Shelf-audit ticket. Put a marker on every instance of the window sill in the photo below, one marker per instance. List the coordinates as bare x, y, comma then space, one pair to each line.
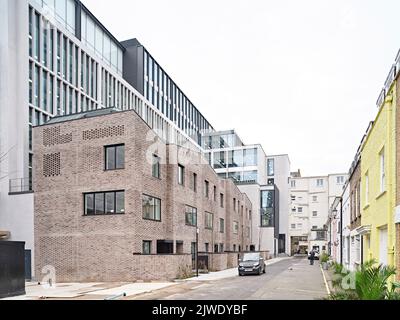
116, 169
149, 219
158, 178
103, 214
380, 195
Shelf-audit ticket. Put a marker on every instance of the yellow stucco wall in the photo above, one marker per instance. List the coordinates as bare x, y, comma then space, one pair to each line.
378, 209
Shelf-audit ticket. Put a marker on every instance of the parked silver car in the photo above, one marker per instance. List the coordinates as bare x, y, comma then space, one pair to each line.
251, 263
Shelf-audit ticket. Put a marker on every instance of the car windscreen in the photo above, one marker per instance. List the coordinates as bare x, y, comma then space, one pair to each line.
251, 256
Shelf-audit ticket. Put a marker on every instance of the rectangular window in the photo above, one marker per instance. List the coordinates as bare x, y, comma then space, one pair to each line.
382, 171
219, 160
208, 220
339, 179
156, 166
151, 208
190, 216
146, 247
37, 36
235, 227
314, 213
115, 157
300, 210
206, 188
221, 247
320, 182
36, 83
267, 210
221, 200
250, 157
314, 198
215, 193
194, 182
206, 247
100, 203
221, 225
181, 174
270, 167
293, 226
293, 183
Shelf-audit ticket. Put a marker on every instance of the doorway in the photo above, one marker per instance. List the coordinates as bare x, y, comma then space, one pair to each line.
383, 250
282, 243
28, 264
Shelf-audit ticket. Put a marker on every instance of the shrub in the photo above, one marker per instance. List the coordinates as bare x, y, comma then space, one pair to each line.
369, 282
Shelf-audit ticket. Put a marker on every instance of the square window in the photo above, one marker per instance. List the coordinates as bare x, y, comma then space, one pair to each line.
115, 157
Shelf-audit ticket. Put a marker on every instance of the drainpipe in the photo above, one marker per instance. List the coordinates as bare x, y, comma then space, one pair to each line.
341, 230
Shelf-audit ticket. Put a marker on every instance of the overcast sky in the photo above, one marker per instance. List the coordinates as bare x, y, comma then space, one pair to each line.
298, 77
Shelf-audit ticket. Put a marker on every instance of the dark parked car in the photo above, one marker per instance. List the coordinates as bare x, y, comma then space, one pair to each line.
251, 263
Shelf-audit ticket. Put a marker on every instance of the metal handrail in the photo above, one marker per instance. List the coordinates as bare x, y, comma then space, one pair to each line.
20, 185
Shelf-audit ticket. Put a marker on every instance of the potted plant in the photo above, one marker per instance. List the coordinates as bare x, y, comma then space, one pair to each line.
324, 258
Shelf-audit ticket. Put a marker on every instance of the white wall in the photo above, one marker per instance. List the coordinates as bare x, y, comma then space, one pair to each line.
262, 238
281, 179
16, 212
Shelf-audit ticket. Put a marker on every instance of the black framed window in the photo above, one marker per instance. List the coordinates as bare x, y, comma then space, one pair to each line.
103, 203
190, 216
146, 247
208, 220
115, 157
151, 208
194, 182
235, 227
221, 200
206, 188
181, 174
156, 166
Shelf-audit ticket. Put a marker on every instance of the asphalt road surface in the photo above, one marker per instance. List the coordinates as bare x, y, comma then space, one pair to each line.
289, 279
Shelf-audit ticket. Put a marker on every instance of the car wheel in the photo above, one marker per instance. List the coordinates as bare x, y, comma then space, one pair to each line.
264, 270
259, 271
240, 274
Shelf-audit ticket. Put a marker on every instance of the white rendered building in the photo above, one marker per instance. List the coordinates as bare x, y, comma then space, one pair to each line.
311, 198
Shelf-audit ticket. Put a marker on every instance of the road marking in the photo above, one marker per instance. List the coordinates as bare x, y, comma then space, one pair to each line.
326, 283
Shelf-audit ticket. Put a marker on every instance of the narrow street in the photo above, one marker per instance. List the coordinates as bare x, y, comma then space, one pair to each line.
289, 279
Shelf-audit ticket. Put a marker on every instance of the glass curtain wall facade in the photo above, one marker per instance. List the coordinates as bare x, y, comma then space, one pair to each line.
75, 66
162, 92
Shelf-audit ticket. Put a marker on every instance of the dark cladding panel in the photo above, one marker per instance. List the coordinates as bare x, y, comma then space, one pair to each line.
133, 68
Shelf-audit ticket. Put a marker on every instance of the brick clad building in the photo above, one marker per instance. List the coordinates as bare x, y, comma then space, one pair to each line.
114, 202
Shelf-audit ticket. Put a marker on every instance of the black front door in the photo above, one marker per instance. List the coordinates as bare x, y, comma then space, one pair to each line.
282, 243
28, 264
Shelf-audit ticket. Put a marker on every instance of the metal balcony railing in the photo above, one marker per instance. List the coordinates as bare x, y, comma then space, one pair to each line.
20, 185
389, 79
381, 98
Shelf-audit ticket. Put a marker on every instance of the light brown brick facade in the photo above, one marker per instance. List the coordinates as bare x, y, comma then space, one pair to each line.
69, 160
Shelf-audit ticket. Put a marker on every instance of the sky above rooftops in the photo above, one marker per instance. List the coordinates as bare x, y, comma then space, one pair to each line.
298, 77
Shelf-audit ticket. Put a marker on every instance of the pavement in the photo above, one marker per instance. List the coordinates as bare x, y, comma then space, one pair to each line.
89, 291
286, 278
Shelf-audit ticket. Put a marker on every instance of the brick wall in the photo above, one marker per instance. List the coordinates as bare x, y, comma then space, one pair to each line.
105, 247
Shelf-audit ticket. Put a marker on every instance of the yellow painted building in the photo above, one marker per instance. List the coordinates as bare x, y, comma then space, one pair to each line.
378, 184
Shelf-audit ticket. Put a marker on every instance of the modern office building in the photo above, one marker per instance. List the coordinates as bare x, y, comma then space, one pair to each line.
57, 59
263, 178
113, 205
311, 199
